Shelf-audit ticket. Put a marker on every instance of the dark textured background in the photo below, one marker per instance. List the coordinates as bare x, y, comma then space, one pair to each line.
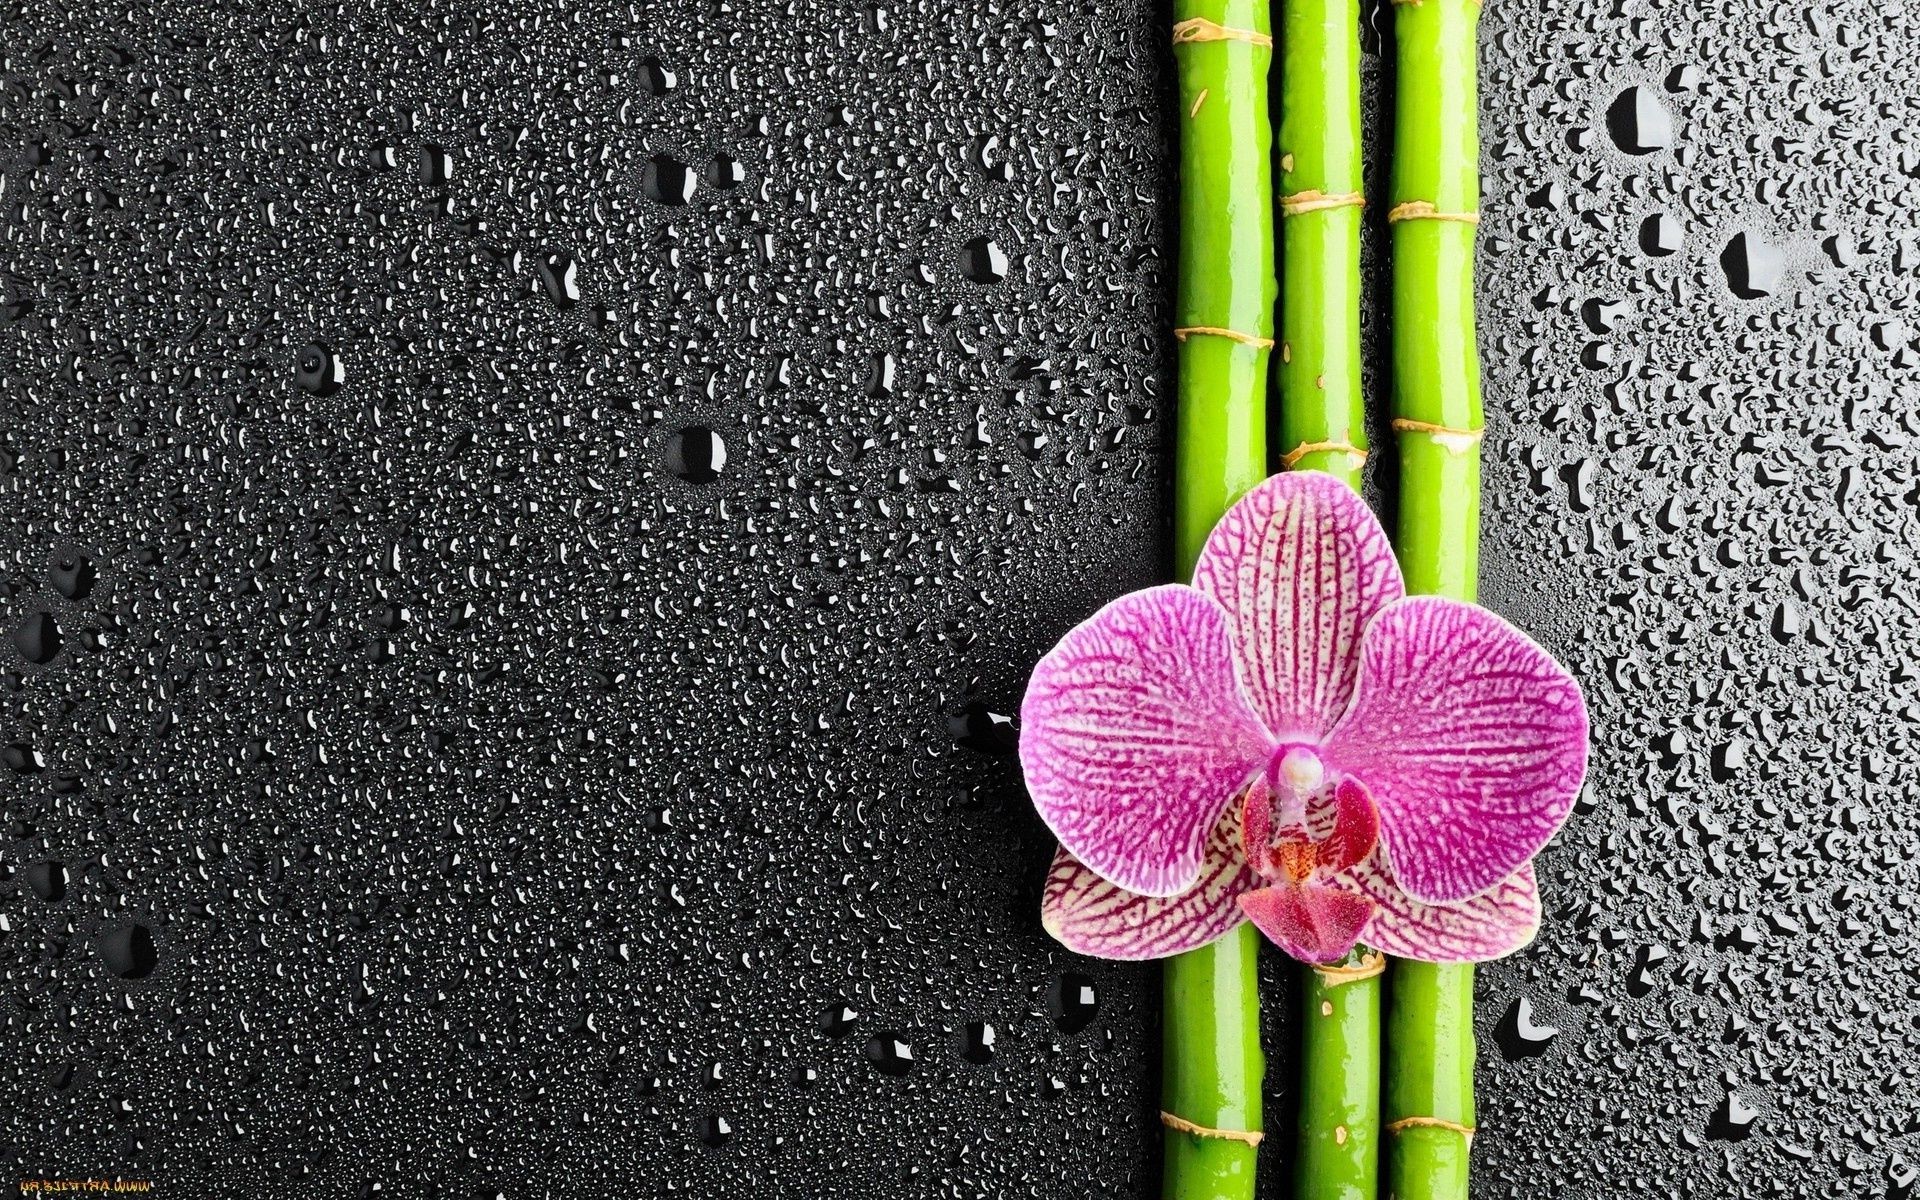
430, 770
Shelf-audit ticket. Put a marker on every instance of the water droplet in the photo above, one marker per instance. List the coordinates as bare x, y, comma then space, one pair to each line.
976, 1045
128, 951
317, 371
1073, 1002
890, 1054
716, 1129
46, 879
1639, 122
724, 172
836, 1020
1753, 267
559, 277
1733, 1121
667, 180
982, 261
1518, 1035
38, 638
1660, 235
696, 454
71, 574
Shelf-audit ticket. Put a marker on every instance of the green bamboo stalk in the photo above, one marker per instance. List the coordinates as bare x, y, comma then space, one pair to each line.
1323, 428
1430, 1050
1339, 1087
1321, 404
1436, 198
1212, 1062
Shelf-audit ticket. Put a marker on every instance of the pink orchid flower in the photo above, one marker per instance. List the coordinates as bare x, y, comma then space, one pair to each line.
1295, 741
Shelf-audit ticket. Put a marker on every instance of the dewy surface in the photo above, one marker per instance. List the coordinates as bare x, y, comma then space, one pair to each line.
518, 529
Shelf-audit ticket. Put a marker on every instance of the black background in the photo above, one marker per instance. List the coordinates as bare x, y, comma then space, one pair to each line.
520, 529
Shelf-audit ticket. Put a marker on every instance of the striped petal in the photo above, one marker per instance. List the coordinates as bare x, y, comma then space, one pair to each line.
1495, 923
1135, 737
1087, 914
1471, 739
1301, 565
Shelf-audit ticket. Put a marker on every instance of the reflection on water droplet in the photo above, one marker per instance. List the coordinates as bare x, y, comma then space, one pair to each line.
1519, 1035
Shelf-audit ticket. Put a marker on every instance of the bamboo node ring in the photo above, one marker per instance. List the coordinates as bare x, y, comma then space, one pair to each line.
1315, 201
1232, 335
1406, 1123
1424, 210
1371, 963
1206, 1131
1199, 29
1359, 458
1458, 441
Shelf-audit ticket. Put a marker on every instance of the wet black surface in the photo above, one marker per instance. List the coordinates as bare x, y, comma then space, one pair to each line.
520, 531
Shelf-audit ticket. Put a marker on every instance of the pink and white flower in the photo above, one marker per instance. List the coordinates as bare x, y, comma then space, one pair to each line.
1295, 741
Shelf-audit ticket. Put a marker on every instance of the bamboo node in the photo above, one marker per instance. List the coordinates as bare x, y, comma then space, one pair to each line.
1371, 964
1299, 452
1424, 210
1232, 335
1251, 1138
1455, 441
1199, 29
1315, 201
1406, 1123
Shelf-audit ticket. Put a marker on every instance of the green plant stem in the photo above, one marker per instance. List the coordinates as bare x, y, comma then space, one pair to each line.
1429, 1074
1225, 269
1436, 364
1320, 397
1322, 405
1212, 1066
1339, 1089
1211, 1021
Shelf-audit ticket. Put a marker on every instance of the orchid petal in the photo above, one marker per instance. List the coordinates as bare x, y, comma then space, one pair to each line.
1472, 740
1301, 565
1311, 922
1356, 827
1087, 914
1135, 737
1494, 923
